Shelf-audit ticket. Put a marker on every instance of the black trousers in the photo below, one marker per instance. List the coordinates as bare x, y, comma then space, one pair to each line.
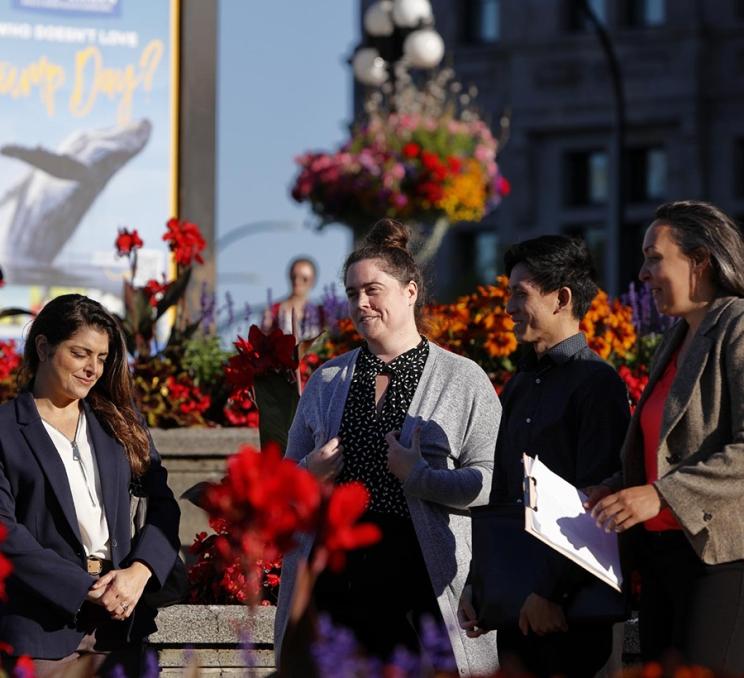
689, 609
578, 653
383, 592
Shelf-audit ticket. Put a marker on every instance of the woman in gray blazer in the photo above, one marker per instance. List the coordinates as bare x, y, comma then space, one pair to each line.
416, 424
683, 456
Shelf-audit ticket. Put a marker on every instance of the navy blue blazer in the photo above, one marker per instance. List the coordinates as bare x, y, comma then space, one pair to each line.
49, 582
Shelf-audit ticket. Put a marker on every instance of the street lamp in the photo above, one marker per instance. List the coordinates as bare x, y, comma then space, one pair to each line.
396, 32
613, 259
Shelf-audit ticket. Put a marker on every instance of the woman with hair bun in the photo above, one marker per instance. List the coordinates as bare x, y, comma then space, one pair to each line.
70, 444
416, 425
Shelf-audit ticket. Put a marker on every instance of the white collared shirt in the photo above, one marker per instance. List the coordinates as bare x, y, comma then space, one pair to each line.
85, 487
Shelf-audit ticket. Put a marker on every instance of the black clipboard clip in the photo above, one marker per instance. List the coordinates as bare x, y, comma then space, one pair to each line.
529, 489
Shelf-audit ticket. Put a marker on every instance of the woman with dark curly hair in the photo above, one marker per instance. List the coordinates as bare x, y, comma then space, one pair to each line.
70, 444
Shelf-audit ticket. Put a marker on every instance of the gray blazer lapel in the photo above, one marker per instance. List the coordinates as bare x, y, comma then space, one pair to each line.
108, 457
691, 368
42, 447
632, 453
688, 374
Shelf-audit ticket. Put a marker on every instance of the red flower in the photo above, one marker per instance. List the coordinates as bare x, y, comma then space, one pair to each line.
259, 354
24, 668
430, 160
127, 241
411, 150
273, 579
186, 242
10, 359
635, 380
431, 191
153, 291
503, 186
454, 163
241, 410
6, 567
266, 501
340, 533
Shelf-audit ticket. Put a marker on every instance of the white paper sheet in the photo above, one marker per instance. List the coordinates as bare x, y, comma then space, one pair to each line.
554, 514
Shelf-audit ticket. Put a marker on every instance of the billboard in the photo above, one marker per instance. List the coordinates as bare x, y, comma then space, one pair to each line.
88, 142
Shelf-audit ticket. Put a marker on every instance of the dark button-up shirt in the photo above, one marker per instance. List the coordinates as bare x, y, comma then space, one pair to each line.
570, 408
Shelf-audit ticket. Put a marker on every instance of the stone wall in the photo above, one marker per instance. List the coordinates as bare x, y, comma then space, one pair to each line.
192, 455
209, 637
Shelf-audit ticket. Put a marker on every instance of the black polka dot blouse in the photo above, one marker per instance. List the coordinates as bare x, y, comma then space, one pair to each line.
363, 428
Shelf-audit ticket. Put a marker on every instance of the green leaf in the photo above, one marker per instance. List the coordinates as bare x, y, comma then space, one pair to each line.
174, 292
276, 399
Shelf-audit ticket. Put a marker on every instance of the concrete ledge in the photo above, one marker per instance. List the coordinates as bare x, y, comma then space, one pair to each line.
202, 442
209, 637
215, 625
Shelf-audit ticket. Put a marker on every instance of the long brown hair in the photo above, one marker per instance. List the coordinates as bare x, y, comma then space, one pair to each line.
699, 225
388, 243
111, 397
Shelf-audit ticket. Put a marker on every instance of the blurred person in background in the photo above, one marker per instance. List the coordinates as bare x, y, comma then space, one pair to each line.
303, 274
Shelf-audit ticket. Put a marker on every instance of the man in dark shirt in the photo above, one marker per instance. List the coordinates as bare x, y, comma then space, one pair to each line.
570, 408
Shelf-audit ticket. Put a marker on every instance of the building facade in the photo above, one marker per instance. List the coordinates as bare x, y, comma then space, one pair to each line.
682, 69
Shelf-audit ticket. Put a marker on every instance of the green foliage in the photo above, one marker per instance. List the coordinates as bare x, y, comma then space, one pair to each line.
204, 359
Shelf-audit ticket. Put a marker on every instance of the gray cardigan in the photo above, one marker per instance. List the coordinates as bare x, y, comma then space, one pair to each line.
458, 412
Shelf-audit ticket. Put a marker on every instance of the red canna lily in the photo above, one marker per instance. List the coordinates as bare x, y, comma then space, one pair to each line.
340, 532
186, 241
266, 501
259, 354
127, 241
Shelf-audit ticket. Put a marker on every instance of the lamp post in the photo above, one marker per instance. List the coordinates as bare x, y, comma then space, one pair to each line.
616, 203
397, 33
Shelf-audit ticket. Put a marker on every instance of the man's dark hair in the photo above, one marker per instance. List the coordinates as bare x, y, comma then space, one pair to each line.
556, 261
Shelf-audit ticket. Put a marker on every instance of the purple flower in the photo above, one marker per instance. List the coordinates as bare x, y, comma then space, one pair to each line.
246, 648
151, 668
404, 664
336, 653
335, 308
646, 317
436, 646
117, 672
208, 304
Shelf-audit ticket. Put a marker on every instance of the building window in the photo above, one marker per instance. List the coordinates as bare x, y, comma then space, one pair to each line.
487, 264
483, 21
585, 175
738, 168
643, 13
595, 238
646, 174
576, 19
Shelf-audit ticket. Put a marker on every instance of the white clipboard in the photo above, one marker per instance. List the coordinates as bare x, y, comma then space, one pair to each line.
554, 513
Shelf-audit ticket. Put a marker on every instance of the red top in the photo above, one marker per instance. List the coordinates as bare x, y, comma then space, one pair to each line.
651, 417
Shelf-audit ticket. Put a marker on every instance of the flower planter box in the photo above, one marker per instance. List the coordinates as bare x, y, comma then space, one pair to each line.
192, 455
210, 637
